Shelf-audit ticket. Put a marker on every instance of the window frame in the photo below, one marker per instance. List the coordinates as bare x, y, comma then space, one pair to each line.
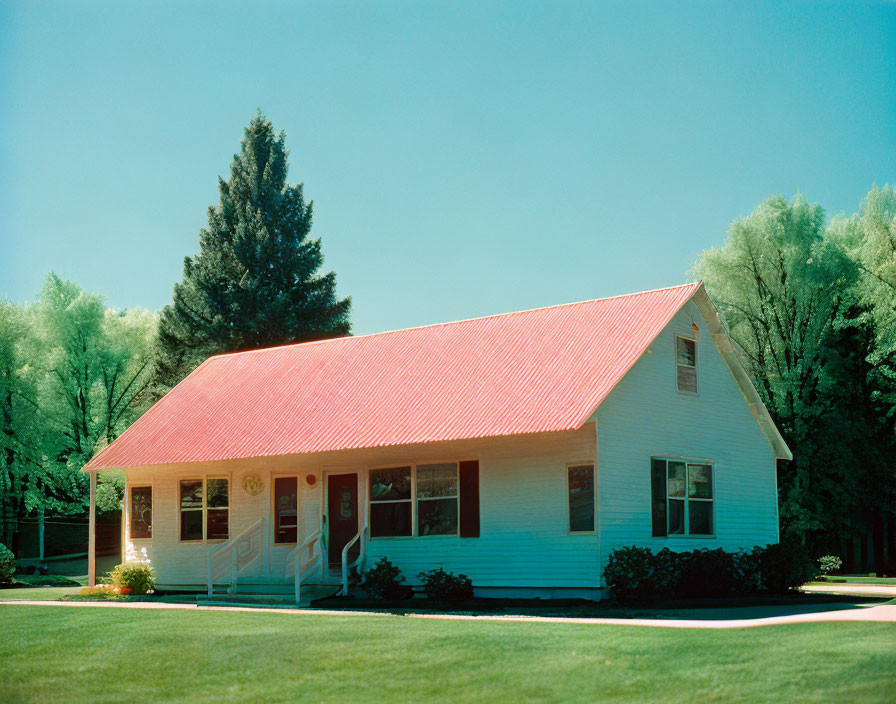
129, 501
204, 510
455, 498
415, 533
688, 462
696, 366
273, 499
593, 465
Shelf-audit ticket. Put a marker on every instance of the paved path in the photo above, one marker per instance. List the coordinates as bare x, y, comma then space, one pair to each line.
853, 589
871, 613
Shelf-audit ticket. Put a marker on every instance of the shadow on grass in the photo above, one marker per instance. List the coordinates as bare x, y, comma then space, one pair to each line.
693, 609
703, 609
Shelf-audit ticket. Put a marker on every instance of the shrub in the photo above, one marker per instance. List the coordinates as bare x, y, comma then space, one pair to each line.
446, 586
384, 581
629, 570
637, 573
665, 572
136, 576
829, 563
747, 571
706, 573
785, 565
7, 564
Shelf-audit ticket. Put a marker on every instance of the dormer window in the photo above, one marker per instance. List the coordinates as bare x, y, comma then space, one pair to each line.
686, 364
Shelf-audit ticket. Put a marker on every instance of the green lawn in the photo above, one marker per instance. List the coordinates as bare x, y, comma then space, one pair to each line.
36, 593
112, 655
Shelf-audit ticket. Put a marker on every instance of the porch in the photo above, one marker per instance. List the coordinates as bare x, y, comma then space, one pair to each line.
496, 509
247, 530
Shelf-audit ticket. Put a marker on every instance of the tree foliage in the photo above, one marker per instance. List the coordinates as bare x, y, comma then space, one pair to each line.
73, 376
255, 281
806, 301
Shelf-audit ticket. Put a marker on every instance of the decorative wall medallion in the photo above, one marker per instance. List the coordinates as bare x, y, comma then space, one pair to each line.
253, 484
311, 479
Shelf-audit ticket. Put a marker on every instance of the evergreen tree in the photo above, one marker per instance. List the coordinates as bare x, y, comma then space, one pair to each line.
255, 281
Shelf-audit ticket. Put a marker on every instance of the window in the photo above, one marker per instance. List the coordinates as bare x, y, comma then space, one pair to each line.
682, 497
686, 364
204, 509
141, 512
286, 509
217, 514
437, 499
419, 500
580, 491
390, 502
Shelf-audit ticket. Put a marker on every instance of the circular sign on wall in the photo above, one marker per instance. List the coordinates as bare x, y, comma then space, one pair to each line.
311, 479
253, 484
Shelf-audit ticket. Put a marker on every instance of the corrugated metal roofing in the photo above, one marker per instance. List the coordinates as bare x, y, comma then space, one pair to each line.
527, 372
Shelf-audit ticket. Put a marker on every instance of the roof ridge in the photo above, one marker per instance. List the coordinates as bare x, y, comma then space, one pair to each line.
447, 322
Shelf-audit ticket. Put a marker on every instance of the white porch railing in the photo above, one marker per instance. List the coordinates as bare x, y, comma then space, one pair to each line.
235, 555
304, 569
346, 567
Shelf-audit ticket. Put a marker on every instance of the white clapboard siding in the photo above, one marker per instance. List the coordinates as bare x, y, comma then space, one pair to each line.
523, 512
524, 541
646, 416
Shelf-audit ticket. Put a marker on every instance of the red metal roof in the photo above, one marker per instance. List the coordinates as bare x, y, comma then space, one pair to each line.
527, 372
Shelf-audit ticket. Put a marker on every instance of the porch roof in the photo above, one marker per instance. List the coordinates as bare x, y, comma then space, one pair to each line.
527, 372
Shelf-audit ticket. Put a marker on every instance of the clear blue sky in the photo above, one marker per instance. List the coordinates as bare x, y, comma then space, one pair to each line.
464, 158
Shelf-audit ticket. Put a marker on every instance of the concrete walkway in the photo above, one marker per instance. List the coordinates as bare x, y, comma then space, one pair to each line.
871, 613
853, 589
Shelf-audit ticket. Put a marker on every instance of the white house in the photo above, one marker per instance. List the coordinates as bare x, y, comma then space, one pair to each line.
519, 449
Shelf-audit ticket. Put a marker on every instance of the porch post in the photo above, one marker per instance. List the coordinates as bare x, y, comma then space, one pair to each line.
91, 534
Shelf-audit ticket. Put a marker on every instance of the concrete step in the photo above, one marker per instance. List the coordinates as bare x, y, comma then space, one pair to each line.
259, 597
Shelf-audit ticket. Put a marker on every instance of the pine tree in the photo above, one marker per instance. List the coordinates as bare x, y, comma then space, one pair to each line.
255, 281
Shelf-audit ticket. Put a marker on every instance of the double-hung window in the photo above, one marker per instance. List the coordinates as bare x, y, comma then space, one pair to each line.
414, 500
682, 494
580, 493
437, 499
686, 364
390, 502
141, 513
286, 510
204, 509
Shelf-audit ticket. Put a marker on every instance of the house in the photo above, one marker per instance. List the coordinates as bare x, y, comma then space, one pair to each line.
519, 449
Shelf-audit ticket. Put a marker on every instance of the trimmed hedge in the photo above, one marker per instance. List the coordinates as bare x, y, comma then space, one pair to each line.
639, 574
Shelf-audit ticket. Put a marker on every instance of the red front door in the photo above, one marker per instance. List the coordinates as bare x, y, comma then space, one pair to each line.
342, 514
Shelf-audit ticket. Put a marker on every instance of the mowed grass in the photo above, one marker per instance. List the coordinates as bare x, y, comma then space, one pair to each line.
59, 654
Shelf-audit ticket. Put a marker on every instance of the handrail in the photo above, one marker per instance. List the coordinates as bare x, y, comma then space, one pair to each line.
298, 548
360, 535
302, 571
236, 563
